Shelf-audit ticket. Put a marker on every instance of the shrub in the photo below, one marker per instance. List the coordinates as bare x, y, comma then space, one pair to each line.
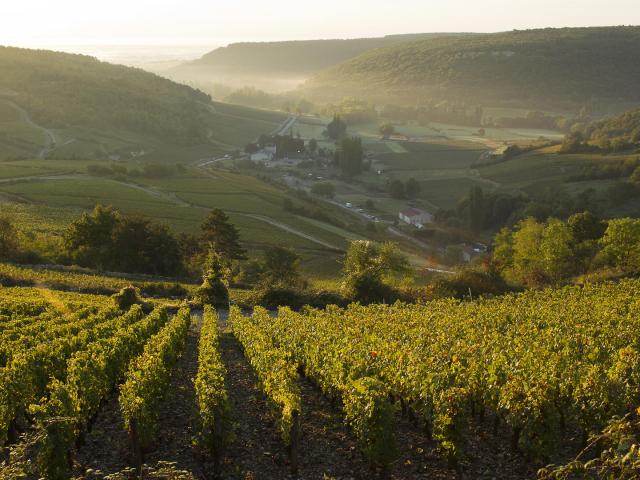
127, 297
274, 296
213, 292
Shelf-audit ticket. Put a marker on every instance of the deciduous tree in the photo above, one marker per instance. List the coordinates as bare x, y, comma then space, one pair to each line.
621, 243
367, 267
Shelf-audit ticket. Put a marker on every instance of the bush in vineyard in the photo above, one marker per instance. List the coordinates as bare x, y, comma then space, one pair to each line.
542, 362
618, 459
213, 290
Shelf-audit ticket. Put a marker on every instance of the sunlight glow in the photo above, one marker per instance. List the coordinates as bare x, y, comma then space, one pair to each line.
196, 22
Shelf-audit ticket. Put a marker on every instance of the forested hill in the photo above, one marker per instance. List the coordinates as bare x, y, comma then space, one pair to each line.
61, 90
552, 67
301, 58
618, 133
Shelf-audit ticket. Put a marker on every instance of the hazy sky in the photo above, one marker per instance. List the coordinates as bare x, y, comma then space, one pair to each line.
171, 22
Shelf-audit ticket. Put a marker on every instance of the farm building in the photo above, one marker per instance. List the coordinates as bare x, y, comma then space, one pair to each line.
415, 217
264, 155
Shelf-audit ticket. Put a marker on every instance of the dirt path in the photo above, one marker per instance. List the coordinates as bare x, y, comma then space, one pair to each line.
328, 448
50, 136
179, 416
257, 451
291, 230
106, 449
170, 197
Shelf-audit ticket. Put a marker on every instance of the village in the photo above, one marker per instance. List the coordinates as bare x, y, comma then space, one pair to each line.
294, 165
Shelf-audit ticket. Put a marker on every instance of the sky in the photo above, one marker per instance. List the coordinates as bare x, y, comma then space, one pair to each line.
45, 23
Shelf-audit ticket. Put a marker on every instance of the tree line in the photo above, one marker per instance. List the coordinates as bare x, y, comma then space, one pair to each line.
109, 240
535, 253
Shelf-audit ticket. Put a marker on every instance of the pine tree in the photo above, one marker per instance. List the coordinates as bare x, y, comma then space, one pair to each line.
222, 236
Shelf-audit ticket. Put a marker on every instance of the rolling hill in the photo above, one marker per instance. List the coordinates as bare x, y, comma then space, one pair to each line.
552, 68
283, 63
64, 105
60, 90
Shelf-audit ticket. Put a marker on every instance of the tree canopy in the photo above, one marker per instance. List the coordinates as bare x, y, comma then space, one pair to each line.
368, 266
546, 67
350, 156
621, 243
61, 90
108, 240
8, 240
222, 235
337, 128
536, 253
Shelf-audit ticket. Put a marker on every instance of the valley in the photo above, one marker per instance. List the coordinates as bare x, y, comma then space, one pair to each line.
394, 257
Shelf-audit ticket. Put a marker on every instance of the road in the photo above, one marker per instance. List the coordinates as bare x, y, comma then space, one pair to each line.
287, 125
51, 137
391, 229
272, 222
292, 230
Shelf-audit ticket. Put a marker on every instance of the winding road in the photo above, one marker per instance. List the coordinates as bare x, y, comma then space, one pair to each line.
51, 137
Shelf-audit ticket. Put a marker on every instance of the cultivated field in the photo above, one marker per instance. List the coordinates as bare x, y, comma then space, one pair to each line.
45, 195
404, 391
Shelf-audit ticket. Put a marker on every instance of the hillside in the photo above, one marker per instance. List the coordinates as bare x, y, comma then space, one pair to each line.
553, 68
617, 133
73, 106
293, 60
60, 90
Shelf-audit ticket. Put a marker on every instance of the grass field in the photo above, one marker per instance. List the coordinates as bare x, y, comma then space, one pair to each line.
440, 156
61, 191
47, 194
443, 169
544, 166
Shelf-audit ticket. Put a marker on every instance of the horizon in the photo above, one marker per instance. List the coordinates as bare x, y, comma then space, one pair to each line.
139, 54
73, 23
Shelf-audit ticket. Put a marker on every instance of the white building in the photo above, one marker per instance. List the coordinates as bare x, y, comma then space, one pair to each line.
265, 155
415, 217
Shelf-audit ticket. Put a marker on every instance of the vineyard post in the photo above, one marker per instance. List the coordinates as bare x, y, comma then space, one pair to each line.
218, 439
6, 454
294, 445
136, 448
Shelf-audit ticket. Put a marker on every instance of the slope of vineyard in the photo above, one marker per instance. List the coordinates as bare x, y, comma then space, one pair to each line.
277, 374
91, 376
211, 391
544, 363
147, 380
501, 387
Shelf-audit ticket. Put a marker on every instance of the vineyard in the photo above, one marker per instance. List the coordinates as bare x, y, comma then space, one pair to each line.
494, 388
